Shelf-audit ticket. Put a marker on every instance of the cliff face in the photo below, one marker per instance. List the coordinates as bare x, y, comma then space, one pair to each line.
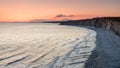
109, 23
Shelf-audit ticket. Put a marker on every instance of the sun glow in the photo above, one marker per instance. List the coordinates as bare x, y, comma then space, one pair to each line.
25, 10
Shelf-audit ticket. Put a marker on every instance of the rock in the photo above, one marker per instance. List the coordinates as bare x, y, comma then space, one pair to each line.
108, 23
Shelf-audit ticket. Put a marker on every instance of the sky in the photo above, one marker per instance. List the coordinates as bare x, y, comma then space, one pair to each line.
25, 10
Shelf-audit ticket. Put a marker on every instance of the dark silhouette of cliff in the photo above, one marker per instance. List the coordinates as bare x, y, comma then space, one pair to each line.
109, 23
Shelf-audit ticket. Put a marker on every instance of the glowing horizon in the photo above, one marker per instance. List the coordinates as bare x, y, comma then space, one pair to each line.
25, 10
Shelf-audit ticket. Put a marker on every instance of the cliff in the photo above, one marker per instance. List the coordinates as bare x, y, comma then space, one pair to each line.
109, 23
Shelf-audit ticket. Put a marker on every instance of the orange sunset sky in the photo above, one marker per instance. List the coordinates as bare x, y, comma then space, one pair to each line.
25, 10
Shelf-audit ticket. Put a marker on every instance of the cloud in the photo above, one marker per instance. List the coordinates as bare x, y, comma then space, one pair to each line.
62, 15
